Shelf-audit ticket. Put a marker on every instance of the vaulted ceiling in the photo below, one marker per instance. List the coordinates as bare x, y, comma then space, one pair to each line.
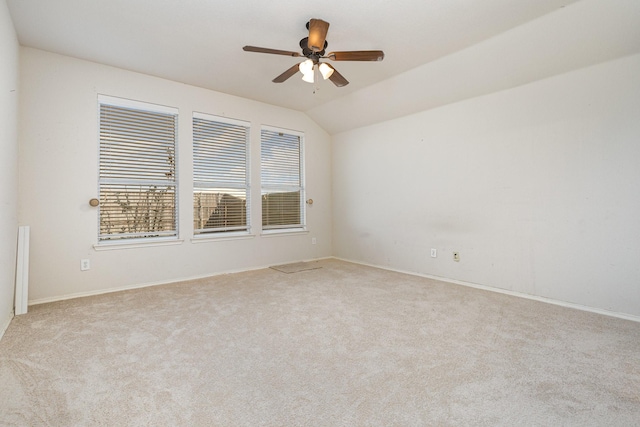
436, 51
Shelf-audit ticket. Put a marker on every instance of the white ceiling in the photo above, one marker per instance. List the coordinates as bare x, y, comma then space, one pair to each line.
199, 42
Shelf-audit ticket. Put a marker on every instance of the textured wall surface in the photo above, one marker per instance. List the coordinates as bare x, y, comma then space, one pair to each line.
8, 163
536, 187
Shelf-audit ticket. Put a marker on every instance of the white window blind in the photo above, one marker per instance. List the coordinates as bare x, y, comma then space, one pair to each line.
220, 178
137, 172
282, 180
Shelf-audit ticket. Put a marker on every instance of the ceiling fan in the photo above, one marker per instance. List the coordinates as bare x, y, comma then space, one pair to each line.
313, 48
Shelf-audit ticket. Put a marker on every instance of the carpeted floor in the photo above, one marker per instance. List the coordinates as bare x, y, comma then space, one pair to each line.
341, 345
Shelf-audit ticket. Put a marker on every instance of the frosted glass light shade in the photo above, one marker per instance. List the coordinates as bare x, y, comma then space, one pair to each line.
326, 70
308, 77
306, 66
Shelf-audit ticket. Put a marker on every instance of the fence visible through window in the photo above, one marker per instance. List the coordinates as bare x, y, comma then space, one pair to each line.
220, 174
282, 179
216, 212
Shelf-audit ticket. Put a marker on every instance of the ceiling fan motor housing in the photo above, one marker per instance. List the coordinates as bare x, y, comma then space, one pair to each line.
309, 53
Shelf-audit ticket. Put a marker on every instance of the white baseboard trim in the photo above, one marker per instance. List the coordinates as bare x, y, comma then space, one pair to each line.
149, 284
618, 315
5, 324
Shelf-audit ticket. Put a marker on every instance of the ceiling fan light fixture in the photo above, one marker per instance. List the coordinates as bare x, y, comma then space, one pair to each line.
326, 70
308, 77
306, 67
313, 48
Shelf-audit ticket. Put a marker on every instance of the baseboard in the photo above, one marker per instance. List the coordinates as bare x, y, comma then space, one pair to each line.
5, 324
615, 314
618, 315
159, 283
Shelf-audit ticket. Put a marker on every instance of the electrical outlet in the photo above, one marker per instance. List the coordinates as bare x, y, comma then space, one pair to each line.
434, 253
456, 256
313, 241
85, 264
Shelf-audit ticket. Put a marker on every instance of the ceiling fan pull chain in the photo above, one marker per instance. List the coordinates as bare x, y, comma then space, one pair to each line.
316, 79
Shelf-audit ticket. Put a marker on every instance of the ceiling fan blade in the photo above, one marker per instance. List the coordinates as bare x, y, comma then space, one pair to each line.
284, 76
272, 51
317, 34
337, 78
357, 55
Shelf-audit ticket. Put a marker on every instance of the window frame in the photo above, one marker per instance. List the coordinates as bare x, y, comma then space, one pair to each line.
288, 228
120, 239
221, 232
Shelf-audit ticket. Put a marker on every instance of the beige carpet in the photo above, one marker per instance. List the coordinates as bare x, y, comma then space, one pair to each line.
343, 345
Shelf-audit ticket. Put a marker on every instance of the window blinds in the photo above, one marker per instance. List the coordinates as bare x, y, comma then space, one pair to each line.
282, 184
220, 179
137, 173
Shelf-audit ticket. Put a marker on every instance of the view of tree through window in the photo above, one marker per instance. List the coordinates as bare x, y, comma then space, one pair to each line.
137, 171
138, 183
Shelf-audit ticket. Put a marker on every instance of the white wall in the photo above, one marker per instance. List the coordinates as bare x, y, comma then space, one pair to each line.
8, 163
58, 176
537, 187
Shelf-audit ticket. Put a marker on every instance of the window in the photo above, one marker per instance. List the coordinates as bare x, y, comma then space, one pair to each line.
282, 179
137, 177
220, 179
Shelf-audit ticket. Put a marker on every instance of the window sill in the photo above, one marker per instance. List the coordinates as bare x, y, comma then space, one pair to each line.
284, 232
132, 245
207, 238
